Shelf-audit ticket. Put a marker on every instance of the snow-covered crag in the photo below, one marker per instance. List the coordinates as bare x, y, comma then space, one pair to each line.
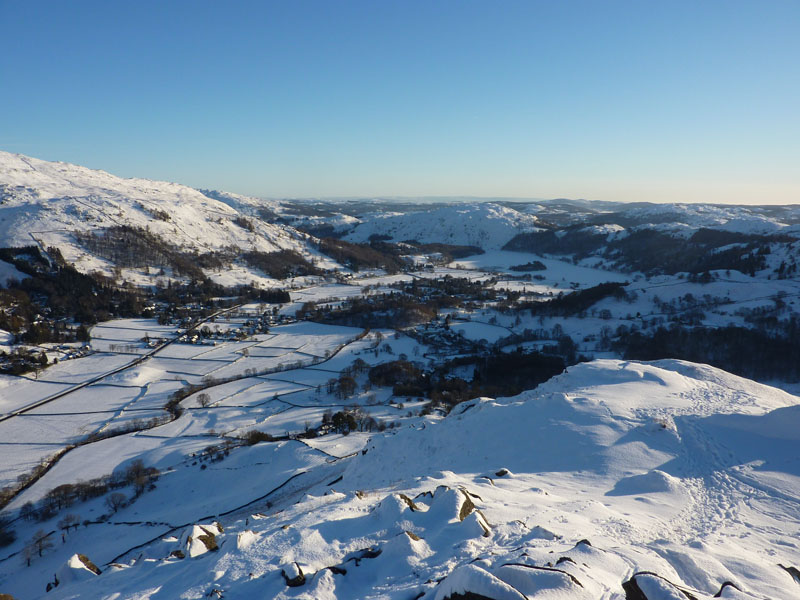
660, 481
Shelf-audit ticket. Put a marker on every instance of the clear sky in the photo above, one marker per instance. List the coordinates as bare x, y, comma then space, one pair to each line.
634, 101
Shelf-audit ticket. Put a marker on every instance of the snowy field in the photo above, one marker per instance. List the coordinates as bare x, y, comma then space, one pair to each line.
140, 392
477, 331
557, 271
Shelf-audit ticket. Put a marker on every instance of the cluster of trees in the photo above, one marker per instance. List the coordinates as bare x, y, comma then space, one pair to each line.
244, 223
352, 418
656, 252
37, 306
138, 247
210, 295
450, 291
513, 372
396, 373
363, 256
776, 319
254, 436
493, 375
577, 240
448, 252
534, 265
7, 533
565, 305
136, 475
653, 252
21, 360
379, 311
280, 264
343, 387
129, 427
754, 354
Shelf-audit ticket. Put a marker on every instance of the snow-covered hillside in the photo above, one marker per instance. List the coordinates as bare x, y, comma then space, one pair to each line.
44, 203
488, 226
671, 480
750, 219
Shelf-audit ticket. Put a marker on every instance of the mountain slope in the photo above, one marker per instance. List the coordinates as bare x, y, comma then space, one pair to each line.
46, 202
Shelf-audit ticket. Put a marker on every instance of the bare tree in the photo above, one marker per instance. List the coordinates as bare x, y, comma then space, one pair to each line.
116, 501
28, 552
41, 541
7, 534
204, 399
27, 511
140, 476
71, 520
346, 387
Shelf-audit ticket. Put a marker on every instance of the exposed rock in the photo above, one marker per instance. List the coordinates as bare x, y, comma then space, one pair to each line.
793, 571
200, 539
360, 555
409, 502
560, 572
655, 585
467, 506
77, 568
470, 582
89, 564
209, 539
724, 585
293, 575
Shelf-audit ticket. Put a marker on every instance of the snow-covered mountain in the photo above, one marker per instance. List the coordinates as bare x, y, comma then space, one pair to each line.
669, 480
488, 226
45, 203
760, 220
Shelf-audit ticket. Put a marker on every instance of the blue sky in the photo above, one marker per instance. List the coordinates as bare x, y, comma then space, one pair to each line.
633, 101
